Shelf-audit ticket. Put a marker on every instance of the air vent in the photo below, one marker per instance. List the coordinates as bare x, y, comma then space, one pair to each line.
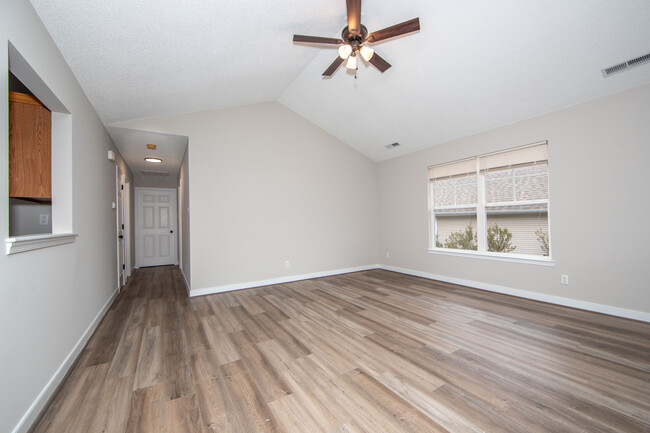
392, 145
632, 63
154, 173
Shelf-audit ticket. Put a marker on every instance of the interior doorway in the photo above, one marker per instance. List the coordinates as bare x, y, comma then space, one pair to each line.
122, 234
155, 212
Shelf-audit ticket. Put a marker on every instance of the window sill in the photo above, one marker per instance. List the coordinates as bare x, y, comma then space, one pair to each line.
516, 258
20, 244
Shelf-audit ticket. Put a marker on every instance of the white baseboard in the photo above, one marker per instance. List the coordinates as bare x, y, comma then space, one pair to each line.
536, 296
551, 299
280, 280
50, 388
43, 398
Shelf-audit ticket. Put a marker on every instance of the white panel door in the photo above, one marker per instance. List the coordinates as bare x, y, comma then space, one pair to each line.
156, 218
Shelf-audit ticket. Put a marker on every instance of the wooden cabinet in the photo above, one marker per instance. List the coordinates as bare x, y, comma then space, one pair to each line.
30, 147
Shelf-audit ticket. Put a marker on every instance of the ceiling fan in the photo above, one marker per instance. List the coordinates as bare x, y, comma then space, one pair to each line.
355, 37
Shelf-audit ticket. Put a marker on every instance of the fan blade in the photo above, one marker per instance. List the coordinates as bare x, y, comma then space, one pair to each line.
378, 62
317, 40
396, 30
333, 67
354, 16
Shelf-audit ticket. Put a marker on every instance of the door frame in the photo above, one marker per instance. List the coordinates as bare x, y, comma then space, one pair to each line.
138, 198
119, 214
126, 200
179, 231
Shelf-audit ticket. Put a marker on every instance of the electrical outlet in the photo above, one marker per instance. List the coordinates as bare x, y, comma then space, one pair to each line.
287, 264
387, 255
43, 219
564, 279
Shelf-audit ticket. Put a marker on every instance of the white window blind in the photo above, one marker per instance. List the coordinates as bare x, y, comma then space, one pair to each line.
510, 158
467, 166
517, 175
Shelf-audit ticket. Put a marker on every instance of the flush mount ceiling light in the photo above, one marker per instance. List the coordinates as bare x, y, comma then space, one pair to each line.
354, 37
151, 146
150, 159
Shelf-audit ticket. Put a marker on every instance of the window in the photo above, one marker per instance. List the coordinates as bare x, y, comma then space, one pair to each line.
495, 204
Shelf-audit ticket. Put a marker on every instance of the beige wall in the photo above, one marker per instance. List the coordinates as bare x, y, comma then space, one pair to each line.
184, 226
24, 217
148, 181
50, 298
598, 157
269, 186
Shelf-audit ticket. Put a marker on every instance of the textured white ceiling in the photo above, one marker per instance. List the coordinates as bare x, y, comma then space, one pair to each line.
132, 144
475, 65
147, 58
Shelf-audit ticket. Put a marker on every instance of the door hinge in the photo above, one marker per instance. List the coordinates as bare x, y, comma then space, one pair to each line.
122, 187
123, 266
122, 226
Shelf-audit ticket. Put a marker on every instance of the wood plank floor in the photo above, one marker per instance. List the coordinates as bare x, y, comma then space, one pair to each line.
372, 351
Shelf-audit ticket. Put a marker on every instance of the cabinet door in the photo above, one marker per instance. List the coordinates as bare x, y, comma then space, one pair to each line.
30, 148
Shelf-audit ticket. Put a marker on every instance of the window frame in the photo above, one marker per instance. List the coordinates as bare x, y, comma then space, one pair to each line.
481, 217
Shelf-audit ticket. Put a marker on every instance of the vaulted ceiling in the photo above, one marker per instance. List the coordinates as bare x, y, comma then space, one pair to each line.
475, 64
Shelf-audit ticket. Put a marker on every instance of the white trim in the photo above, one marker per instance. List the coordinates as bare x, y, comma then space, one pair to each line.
127, 228
457, 206
501, 257
157, 189
179, 223
21, 244
481, 212
34, 411
280, 280
517, 203
551, 299
118, 229
187, 284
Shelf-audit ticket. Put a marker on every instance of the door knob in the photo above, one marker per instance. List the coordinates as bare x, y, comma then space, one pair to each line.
171, 231
121, 236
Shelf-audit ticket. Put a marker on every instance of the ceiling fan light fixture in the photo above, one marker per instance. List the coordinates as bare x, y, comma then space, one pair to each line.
353, 37
352, 62
345, 51
366, 53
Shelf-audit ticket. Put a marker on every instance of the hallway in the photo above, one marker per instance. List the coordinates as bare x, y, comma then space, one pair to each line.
364, 352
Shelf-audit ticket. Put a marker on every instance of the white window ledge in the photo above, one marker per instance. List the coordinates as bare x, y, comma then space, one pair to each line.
20, 244
516, 258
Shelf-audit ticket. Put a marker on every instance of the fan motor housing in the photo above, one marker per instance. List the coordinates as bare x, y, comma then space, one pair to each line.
354, 40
